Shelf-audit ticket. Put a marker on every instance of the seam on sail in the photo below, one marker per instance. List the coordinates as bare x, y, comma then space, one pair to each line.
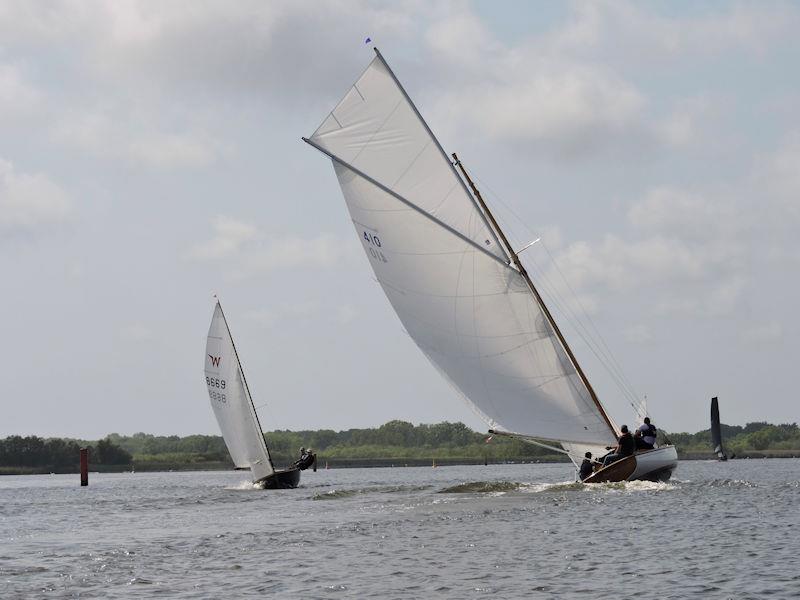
377, 131
411, 164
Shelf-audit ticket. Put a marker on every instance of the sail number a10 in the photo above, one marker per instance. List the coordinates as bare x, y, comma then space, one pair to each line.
373, 245
214, 384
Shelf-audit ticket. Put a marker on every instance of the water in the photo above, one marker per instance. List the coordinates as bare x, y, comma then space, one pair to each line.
718, 530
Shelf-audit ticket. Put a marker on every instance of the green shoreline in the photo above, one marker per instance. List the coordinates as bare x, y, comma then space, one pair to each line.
396, 443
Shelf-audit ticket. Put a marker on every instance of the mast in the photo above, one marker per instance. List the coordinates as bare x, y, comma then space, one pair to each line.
518, 263
244, 379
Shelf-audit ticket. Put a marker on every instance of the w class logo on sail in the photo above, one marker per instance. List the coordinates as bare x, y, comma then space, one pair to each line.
215, 360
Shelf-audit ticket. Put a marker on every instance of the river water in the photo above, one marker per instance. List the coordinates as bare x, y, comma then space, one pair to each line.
717, 530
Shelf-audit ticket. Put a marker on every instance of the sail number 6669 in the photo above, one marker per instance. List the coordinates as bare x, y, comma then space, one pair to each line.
214, 382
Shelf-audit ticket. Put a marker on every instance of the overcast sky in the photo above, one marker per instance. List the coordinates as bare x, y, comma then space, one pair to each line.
150, 156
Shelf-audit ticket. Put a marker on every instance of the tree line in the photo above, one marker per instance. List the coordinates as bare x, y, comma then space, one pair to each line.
395, 440
56, 453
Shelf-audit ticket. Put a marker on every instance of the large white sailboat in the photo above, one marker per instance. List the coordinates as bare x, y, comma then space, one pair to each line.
235, 412
459, 288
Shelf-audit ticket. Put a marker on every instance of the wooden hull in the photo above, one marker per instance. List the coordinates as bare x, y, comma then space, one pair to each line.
281, 479
647, 465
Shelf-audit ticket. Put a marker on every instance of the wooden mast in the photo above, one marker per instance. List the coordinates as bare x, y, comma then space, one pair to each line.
515, 259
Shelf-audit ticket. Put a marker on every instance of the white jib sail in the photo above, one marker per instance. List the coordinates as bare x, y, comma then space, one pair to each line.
444, 272
231, 401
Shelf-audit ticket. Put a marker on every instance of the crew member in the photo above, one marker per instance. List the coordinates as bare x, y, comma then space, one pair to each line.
646, 435
625, 447
586, 466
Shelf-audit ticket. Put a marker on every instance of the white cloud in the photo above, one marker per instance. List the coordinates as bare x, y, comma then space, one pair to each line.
134, 139
251, 251
136, 332
270, 317
28, 202
17, 97
607, 26
230, 235
687, 215
778, 174
638, 334
767, 332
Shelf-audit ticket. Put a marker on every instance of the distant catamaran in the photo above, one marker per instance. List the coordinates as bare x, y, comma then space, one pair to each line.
236, 414
456, 283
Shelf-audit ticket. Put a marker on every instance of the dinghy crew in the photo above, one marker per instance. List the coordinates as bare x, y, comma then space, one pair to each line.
586, 466
625, 447
646, 435
307, 458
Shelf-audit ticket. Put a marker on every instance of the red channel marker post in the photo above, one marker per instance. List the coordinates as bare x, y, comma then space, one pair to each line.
84, 466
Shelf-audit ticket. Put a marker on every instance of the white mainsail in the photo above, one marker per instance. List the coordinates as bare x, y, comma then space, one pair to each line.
445, 273
231, 401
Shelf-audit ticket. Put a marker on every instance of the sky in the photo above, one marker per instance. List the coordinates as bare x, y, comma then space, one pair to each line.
150, 157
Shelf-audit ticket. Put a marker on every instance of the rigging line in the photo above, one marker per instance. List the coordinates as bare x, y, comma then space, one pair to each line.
606, 350
410, 204
589, 318
583, 332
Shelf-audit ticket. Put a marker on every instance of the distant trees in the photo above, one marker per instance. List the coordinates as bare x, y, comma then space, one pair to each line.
393, 440
108, 453
736, 439
56, 453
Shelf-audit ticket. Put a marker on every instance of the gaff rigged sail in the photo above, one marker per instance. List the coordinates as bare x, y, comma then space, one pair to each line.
445, 273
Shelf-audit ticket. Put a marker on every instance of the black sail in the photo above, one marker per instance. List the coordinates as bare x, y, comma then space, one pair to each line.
716, 431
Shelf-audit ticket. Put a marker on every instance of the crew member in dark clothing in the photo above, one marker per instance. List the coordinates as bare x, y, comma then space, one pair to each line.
586, 466
307, 458
625, 447
646, 435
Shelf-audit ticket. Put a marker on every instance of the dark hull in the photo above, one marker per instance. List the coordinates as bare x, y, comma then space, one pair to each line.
281, 479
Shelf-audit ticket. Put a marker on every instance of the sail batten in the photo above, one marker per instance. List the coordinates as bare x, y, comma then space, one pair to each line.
230, 399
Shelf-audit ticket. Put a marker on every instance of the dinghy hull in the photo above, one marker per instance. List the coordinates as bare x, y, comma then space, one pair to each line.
281, 479
647, 465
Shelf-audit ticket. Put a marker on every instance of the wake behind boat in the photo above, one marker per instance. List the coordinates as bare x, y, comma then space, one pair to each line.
454, 280
235, 412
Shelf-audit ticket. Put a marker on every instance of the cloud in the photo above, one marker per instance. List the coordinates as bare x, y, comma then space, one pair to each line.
574, 91
30, 203
269, 317
136, 332
620, 26
17, 97
638, 334
134, 139
293, 252
251, 251
686, 253
767, 332
230, 235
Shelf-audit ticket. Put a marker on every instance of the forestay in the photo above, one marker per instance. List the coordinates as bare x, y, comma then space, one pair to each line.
231, 401
444, 272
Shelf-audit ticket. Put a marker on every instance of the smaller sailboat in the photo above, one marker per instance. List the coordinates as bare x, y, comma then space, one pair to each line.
716, 430
235, 412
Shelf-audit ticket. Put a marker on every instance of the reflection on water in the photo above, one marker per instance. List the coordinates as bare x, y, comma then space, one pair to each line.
723, 530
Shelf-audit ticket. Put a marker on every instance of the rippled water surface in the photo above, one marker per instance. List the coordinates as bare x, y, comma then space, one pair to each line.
718, 530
